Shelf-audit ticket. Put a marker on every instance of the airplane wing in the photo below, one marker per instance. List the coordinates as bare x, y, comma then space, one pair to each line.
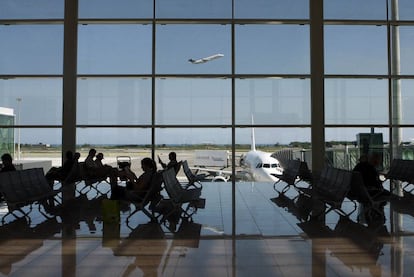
216, 174
222, 174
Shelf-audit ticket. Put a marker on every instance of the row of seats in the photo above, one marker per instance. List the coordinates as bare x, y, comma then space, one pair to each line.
330, 189
26, 187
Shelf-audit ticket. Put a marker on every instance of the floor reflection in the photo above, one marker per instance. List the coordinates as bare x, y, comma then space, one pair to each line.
146, 244
18, 239
275, 236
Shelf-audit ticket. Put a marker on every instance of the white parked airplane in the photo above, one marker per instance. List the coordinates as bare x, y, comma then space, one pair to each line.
260, 165
257, 166
206, 59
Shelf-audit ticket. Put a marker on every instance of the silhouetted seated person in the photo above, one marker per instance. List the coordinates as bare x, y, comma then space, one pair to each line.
172, 156
136, 186
98, 160
7, 162
367, 166
74, 173
96, 170
89, 163
60, 173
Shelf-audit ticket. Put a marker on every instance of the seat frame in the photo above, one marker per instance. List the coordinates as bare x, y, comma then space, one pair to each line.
193, 180
184, 201
148, 202
331, 189
27, 187
294, 172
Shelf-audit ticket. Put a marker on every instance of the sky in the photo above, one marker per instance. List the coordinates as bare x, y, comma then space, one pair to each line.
259, 49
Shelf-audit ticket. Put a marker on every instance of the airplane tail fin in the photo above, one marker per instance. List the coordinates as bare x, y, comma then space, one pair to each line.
253, 145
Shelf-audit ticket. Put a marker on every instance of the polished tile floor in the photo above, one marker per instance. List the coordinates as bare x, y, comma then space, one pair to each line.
272, 237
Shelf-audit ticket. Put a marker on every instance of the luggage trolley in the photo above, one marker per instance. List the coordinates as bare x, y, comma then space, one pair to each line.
122, 162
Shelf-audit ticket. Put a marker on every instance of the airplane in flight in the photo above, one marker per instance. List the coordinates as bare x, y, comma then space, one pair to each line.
206, 59
256, 166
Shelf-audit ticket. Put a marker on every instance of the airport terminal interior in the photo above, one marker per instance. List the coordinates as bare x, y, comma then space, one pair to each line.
238, 89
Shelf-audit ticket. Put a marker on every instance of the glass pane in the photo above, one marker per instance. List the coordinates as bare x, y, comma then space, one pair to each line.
34, 101
176, 44
31, 49
267, 49
115, 9
355, 9
407, 138
190, 137
120, 138
355, 50
344, 146
272, 139
405, 104
193, 9
257, 151
36, 144
196, 146
405, 9
120, 101
406, 60
7, 137
270, 9
193, 101
134, 143
183, 153
273, 101
39, 138
356, 101
29, 9
127, 50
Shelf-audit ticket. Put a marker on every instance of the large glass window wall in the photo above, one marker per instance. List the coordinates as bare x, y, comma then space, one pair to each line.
135, 84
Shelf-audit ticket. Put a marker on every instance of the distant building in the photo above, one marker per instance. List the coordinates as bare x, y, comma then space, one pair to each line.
6, 134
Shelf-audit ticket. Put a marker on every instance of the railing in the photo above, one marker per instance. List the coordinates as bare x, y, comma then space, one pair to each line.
344, 157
